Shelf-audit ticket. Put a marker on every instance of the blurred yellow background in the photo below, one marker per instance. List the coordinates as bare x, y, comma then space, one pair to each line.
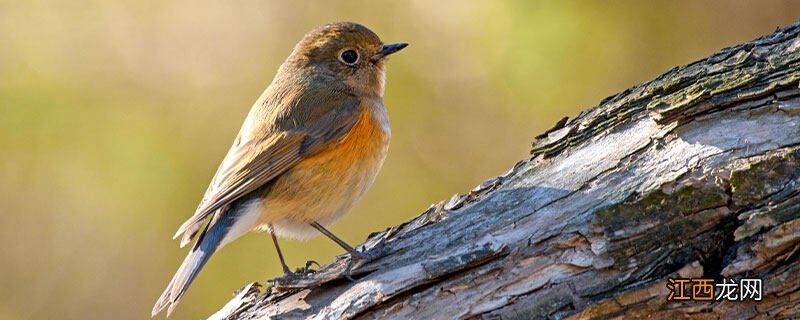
115, 114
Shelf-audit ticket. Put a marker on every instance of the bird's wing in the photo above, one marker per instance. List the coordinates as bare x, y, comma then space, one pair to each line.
254, 161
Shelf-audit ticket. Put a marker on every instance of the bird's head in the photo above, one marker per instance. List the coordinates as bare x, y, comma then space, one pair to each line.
346, 52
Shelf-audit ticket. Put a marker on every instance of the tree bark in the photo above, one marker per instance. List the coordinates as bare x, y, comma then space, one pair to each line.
695, 174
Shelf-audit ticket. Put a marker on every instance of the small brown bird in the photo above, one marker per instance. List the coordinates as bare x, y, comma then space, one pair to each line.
310, 147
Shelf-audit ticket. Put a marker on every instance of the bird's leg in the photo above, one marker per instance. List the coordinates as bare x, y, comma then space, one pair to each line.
286, 269
341, 243
353, 252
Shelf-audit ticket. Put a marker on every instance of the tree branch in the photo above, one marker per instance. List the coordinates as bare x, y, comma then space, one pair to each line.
693, 174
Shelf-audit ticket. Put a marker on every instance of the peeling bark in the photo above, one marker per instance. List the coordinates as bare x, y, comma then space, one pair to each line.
693, 174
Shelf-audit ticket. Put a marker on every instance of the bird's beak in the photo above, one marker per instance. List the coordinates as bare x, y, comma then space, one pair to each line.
389, 49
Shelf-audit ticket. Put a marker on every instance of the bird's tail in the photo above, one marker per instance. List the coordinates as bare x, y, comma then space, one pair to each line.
208, 242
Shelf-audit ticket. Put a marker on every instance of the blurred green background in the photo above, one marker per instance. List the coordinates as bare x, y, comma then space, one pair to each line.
115, 114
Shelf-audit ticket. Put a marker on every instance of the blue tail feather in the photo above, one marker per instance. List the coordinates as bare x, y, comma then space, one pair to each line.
207, 243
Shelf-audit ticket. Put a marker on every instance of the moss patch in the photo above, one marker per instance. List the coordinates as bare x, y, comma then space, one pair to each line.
764, 177
658, 207
767, 185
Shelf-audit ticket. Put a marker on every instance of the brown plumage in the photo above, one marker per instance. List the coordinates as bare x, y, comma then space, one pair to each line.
310, 147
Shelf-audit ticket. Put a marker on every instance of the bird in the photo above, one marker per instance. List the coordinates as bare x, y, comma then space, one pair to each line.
310, 147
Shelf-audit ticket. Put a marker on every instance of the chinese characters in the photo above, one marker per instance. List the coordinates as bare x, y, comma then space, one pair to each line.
707, 290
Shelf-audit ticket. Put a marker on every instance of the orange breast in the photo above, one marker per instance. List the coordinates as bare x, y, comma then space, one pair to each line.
364, 140
325, 186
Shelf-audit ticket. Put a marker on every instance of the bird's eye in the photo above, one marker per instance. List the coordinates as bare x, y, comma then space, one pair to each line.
349, 57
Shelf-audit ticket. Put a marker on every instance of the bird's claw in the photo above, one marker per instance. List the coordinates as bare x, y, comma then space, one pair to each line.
307, 268
300, 272
376, 252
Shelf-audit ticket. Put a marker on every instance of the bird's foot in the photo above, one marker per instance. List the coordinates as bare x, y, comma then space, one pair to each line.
299, 272
307, 268
357, 256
